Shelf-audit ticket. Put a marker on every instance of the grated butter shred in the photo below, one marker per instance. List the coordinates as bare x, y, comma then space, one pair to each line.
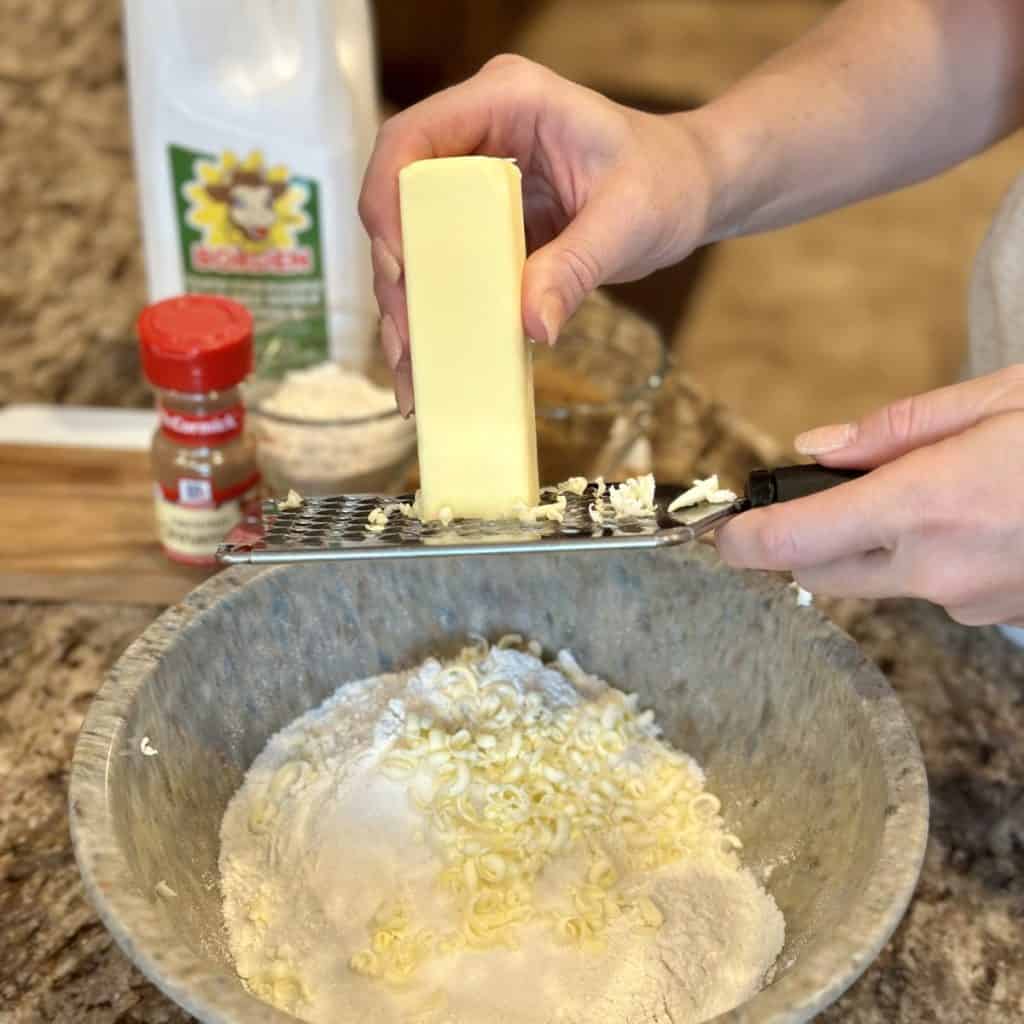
703, 491
377, 520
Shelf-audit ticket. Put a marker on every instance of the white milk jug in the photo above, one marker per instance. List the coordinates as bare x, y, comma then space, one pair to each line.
253, 121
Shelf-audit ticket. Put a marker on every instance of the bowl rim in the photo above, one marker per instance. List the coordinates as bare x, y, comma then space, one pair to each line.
817, 980
257, 412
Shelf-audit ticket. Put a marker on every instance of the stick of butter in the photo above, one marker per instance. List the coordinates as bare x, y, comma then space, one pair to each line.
464, 247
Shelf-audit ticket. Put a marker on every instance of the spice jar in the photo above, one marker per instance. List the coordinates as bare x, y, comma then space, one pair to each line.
196, 351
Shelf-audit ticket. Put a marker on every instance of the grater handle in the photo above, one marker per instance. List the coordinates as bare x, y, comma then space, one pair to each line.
770, 486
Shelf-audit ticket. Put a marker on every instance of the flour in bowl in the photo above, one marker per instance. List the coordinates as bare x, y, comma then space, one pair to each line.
490, 839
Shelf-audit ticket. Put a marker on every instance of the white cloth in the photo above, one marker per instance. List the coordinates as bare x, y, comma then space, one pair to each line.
996, 302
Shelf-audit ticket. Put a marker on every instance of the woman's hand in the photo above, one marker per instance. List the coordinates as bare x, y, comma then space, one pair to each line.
942, 517
610, 193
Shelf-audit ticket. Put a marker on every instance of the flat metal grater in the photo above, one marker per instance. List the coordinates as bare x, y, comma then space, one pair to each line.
339, 528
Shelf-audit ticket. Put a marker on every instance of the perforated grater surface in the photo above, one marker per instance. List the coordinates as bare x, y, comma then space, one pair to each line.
339, 528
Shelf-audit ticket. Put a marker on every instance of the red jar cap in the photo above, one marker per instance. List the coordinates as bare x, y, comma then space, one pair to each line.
196, 343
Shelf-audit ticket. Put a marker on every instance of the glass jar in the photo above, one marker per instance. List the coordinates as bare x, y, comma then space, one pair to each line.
196, 351
595, 394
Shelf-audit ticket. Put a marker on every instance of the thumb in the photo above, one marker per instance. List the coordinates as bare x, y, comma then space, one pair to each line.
559, 275
914, 422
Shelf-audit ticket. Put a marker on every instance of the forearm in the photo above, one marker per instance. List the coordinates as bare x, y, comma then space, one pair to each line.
882, 94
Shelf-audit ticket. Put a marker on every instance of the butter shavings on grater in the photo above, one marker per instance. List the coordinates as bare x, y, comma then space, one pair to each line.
340, 528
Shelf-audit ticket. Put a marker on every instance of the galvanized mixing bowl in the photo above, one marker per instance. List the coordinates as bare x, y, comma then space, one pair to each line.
818, 769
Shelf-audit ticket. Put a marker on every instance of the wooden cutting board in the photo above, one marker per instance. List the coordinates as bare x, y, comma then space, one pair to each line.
76, 524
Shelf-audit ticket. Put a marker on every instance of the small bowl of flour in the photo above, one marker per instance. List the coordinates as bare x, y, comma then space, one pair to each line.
327, 429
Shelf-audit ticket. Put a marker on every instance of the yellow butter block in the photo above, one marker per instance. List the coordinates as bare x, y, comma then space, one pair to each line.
463, 248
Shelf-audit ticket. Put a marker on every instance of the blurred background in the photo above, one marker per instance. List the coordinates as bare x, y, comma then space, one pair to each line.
809, 325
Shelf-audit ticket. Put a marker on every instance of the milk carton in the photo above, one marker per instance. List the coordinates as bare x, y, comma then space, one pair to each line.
253, 122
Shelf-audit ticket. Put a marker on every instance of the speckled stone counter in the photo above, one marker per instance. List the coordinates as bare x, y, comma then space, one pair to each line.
958, 957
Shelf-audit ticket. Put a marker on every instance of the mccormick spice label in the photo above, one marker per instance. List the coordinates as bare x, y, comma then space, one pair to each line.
251, 231
183, 428
194, 517
195, 514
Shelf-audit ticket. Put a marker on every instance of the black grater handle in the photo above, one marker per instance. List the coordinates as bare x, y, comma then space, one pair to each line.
770, 486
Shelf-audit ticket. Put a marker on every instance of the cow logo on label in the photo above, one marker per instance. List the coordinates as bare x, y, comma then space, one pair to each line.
249, 217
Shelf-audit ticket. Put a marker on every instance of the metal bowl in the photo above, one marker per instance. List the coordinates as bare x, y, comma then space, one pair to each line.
818, 769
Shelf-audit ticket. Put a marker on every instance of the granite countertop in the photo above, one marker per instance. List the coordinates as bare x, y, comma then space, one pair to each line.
958, 956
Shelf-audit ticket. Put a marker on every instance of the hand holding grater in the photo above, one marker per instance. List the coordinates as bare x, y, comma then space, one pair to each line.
340, 528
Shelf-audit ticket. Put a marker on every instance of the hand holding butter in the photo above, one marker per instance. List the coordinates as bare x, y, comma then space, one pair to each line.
601, 190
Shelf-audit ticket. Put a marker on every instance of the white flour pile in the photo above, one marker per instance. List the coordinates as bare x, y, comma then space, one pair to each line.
328, 391
489, 840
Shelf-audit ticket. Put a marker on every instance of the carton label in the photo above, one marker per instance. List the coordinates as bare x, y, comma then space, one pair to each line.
251, 231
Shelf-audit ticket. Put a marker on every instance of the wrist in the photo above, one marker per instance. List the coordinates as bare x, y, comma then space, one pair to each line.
735, 161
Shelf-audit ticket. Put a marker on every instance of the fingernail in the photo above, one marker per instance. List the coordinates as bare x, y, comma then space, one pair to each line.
823, 440
551, 317
403, 389
384, 262
391, 342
